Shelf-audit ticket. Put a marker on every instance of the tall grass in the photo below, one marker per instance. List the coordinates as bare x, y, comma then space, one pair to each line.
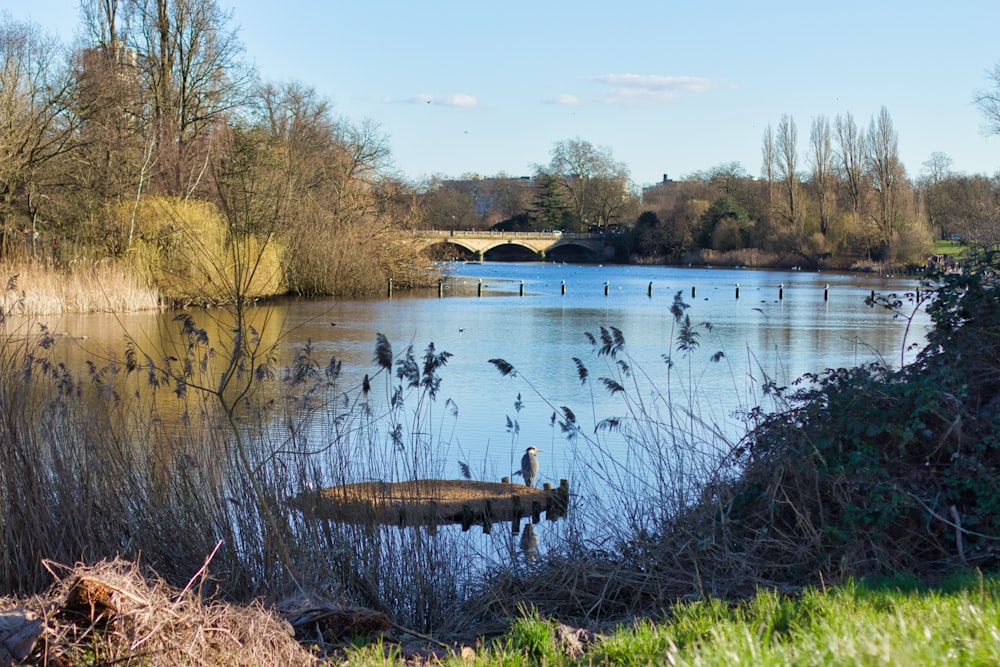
153, 456
649, 478
106, 287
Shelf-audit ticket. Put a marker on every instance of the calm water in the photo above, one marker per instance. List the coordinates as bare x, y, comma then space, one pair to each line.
540, 333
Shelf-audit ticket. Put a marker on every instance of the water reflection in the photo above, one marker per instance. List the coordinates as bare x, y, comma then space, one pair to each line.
529, 542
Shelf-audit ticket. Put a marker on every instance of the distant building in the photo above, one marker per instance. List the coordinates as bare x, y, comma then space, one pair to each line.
659, 194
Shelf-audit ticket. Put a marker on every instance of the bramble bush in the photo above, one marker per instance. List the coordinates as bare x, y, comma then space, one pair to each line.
876, 470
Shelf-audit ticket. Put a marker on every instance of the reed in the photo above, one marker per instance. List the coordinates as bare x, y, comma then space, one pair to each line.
745, 257
152, 457
104, 287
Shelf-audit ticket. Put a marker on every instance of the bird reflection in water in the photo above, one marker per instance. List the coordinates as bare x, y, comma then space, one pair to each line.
529, 542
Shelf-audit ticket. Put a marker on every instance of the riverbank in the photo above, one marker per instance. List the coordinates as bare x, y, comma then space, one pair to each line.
108, 286
113, 613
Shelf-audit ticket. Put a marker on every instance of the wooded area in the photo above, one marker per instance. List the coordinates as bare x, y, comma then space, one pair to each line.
154, 143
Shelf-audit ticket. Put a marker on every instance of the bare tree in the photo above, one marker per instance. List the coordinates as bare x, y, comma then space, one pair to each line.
974, 208
194, 78
850, 166
115, 150
339, 210
449, 205
768, 155
822, 163
730, 179
937, 170
887, 178
768, 169
105, 21
787, 170
594, 184
988, 101
34, 127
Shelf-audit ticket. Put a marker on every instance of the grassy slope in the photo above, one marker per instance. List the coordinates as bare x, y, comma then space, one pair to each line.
949, 247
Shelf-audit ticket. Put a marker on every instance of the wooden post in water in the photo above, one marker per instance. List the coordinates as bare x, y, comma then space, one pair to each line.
487, 517
522, 288
440, 288
561, 504
781, 291
479, 290
390, 288
826, 293
563, 288
649, 290
606, 288
431, 517
737, 291
694, 291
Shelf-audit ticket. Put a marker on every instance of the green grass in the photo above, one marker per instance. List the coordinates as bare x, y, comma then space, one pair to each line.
942, 247
892, 623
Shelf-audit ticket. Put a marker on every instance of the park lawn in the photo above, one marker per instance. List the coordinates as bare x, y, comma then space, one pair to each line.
855, 624
942, 247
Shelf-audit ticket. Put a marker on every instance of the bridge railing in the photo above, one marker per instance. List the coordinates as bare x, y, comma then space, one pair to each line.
487, 234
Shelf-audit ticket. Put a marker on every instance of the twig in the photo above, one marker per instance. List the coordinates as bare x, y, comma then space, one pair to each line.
958, 533
200, 573
957, 526
418, 635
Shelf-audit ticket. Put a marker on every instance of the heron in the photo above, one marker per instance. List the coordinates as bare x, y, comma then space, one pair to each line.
529, 465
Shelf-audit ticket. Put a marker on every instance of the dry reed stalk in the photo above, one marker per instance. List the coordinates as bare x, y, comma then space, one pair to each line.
114, 612
43, 289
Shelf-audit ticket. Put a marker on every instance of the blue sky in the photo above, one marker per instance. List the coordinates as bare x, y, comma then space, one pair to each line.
669, 87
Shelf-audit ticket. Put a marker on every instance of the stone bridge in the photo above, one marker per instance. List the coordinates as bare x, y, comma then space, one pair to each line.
541, 244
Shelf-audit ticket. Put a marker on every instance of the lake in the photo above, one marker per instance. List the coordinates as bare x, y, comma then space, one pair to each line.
784, 324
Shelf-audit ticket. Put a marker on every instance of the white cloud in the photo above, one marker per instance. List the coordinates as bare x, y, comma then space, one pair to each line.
651, 90
461, 100
566, 99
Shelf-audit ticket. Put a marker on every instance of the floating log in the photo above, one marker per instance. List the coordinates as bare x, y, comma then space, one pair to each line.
433, 502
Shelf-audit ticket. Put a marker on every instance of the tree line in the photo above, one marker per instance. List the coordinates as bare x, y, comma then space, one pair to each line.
153, 142
841, 200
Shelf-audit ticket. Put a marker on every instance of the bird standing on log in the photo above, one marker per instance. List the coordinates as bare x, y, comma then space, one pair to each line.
529, 465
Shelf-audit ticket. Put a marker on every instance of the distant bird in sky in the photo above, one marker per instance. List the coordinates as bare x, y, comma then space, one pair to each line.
529, 465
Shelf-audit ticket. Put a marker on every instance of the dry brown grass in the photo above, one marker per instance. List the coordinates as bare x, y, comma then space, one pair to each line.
749, 257
112, 613
105, 287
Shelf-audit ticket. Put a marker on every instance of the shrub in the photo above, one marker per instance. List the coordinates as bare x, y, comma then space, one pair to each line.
186, 249
878, 470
